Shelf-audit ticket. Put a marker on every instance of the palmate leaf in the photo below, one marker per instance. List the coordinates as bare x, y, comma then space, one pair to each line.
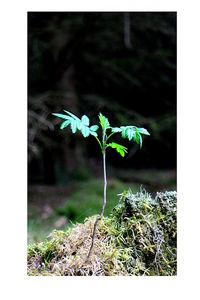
77, 124
119, 148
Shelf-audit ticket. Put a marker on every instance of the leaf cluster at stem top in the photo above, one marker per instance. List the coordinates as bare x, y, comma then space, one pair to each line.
132, 133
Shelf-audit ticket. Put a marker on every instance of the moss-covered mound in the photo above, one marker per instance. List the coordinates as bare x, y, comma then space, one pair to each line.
138, 238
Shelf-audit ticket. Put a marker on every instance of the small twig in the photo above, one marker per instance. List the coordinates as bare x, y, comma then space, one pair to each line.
93, 235
174, 255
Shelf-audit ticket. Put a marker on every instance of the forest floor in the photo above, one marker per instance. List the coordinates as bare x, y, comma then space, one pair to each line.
56, 207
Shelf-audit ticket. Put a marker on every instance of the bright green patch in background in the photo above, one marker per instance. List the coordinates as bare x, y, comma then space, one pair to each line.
87, 199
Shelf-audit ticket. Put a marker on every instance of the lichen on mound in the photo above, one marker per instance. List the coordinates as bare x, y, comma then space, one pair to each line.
138, 238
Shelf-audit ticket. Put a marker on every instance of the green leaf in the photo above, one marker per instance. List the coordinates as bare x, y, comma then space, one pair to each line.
140, 141
85, 131
133, 133
116, 129
72, 115
130, 133
94, 127
73, 126
123, 128
85, 120
104, 122
65, 124
79, 124
137, 137
76, 123
119, 148
61, 116
93, 133
143, 131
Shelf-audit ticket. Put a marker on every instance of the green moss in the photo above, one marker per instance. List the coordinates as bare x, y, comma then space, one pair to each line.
148, 227
138, 238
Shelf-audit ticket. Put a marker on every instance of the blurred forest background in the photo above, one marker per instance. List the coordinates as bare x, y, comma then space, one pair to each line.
121, 64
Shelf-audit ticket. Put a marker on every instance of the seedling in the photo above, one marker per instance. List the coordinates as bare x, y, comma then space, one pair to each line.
132, 133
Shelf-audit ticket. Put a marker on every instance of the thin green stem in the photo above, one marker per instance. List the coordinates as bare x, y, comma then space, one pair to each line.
103, 205
103, 140
110, 135
99, 217
99, 142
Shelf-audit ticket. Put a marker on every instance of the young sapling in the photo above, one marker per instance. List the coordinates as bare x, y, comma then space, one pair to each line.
132, 133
